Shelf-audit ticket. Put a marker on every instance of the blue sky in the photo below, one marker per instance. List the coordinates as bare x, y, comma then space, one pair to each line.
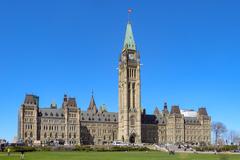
189, 50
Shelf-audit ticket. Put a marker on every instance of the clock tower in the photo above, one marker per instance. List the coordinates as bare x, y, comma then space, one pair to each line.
129, 91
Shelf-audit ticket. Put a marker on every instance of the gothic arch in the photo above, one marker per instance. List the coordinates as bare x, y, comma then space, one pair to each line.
132, 138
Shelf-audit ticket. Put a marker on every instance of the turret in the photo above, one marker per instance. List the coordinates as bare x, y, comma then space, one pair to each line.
92, 106
165, 109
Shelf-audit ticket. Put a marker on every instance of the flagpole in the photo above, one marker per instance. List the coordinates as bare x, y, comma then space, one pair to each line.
129, 12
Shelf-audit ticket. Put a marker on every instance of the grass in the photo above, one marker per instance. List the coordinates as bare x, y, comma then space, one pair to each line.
116, 156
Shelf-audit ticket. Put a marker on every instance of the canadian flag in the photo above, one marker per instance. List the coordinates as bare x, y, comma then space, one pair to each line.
129, 10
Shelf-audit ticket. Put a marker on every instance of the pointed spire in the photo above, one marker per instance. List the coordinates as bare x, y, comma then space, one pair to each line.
156, 111
129, 39
92, 105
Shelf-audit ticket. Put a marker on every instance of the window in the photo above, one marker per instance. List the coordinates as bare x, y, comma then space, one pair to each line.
132, 120
56, 136
45, 135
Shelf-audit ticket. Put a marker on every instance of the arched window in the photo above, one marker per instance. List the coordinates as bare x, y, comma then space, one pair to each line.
51, 135
31, 134
45, 135
62, 135
70, 136
132, 120
25, 134
56, 136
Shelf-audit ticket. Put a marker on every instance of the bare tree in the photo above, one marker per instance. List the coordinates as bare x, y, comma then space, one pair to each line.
234, 137
231, 136
218, 129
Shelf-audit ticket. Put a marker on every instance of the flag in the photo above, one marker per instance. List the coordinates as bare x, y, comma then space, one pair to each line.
129, 10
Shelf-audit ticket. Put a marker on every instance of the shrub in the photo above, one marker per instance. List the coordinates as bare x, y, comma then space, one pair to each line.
109, 148
218, 148
20, 148
83, 148
127, 148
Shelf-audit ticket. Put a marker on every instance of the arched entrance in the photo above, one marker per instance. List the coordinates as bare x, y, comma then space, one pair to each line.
132, 138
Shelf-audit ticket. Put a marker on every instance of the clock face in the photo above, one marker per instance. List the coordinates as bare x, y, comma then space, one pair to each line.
131, 56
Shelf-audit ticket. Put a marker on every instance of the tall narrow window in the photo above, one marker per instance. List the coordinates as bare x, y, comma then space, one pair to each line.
129, 93
132, 120
45, 135
133, 87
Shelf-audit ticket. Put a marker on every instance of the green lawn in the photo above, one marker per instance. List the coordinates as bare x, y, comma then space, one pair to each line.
116, 156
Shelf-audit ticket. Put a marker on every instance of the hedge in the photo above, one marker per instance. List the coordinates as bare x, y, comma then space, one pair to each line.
217, 148
78, 148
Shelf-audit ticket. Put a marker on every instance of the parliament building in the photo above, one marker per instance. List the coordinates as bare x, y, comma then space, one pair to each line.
96, 126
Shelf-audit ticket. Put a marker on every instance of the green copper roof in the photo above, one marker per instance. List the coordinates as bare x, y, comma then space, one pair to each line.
129, 40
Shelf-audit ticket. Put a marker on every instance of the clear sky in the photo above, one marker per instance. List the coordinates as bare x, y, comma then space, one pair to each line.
190, 51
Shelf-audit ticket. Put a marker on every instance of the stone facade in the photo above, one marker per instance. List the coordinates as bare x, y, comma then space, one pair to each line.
70, 125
